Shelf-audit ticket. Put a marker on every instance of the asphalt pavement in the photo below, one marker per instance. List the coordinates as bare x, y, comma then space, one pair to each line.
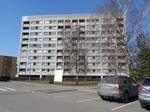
29, 97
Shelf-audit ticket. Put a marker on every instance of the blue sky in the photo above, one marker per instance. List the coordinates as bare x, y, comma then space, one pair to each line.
11, 12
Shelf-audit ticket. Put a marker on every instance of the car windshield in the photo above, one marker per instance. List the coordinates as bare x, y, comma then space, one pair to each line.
146, 82
108, 80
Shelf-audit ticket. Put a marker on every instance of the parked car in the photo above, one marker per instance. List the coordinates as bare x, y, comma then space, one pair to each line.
117, 87
5, 78
144, 92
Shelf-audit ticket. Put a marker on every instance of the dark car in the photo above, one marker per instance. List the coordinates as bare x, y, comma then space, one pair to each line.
144, 92
117, 87
5, 78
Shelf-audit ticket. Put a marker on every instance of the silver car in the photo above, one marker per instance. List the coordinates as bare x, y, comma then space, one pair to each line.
117, 87
144, 92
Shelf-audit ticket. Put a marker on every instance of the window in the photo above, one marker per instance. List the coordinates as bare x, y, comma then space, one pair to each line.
24, 45
37, 70
82, 32
93, 64
52, 57
47, 22
53, 33
59, 44
90, 20
93, 57
22, 69
39, 51
34, 22
74, 21
24, 51
54, 21
35, 45
33, 39
48, 70
60, 27
39, 45
46, 33
82, 26
31, 51
46, 63
33, 28
46, 57
82, 20
68, 27
60, 21
38, 57
53, 45
60, 33
104, 64
40, 33
97, 20
25, 34
33, 33
41, 22
45, 51
43, 70
31, 57
26, 22
25, 39
146, 82
36, 33
25, 28
46, 39
23, 63
106, 19
40, 28
52, 51
108, 80
39, 39
93, 70
45, 45
37, 63
23, 57
98, 70
53, 27
67, 21
46, 27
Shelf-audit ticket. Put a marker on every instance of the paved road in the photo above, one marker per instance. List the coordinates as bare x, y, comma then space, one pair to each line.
27, 97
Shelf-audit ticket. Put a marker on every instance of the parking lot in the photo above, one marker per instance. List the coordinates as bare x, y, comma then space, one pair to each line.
28, 97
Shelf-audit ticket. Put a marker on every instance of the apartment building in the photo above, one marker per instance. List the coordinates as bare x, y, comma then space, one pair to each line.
8, 66
41, 45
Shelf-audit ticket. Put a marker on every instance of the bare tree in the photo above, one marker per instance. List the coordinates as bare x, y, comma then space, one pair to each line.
133, 15
75, 62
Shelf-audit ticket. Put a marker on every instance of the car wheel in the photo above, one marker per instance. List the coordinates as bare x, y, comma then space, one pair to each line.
103, 98
125, 98
142, 105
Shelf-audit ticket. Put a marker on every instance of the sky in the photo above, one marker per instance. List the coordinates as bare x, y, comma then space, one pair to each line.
11, 12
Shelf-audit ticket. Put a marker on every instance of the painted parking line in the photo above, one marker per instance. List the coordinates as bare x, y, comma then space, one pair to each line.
70, 95
1, 89
89, 91
125, 105
11, 89
88, 100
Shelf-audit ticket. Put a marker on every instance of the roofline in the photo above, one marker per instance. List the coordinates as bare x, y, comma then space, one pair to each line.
7, 56
62, 15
